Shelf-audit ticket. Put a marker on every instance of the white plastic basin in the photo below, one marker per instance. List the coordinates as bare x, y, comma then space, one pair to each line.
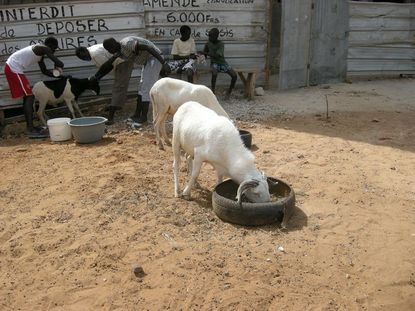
59, 129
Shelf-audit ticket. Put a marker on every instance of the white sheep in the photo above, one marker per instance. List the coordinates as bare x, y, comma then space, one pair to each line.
207, 137
62, 90
168, 94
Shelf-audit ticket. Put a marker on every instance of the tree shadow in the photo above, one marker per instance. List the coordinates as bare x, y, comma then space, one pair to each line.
383, 128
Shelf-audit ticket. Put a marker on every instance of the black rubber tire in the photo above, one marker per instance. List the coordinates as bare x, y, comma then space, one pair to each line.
246, 138
252, 214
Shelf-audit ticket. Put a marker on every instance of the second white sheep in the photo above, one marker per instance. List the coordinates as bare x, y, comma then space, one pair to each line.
168, 94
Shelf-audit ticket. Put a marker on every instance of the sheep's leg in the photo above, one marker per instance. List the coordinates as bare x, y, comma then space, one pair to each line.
176, 167
163, 130
41, 112
189, 161
69, 104
197, 164
75, 103
156, 123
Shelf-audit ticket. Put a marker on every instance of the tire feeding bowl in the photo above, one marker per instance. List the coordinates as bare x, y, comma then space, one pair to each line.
226, 207
87, 130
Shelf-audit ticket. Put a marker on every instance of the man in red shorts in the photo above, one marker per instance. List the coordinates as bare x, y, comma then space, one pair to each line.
19, 85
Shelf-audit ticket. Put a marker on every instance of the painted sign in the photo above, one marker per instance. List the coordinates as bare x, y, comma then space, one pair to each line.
242, 25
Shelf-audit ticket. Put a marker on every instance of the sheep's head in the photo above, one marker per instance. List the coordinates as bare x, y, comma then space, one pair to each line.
256, 190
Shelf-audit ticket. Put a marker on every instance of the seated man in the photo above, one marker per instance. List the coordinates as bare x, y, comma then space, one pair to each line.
184, 54
215, 49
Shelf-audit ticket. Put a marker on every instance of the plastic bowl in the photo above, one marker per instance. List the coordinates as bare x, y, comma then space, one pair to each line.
246, 138
226, 207
87, 130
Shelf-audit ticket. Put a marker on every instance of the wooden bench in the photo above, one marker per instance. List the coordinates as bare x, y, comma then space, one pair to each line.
247, 76
248, 81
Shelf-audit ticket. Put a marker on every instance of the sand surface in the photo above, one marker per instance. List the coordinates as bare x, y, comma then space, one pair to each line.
76, 219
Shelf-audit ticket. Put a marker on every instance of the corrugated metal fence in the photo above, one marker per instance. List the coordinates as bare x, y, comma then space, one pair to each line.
243, 26
381, 40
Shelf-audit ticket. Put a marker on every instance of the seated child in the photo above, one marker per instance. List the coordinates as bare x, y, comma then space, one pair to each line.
215, 49
184, 54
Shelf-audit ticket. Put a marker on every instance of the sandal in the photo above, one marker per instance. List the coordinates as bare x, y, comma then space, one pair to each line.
133, 119
36, 133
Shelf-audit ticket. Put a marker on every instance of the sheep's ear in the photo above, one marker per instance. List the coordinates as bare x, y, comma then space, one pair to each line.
243, 187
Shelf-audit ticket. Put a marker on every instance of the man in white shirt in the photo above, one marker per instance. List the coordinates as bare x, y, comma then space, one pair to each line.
101, 59
14, 69
97, 54
184, 54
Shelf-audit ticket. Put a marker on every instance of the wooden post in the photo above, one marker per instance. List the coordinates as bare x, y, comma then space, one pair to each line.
267, 55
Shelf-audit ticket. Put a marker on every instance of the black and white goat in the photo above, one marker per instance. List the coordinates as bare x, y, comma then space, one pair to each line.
63, 90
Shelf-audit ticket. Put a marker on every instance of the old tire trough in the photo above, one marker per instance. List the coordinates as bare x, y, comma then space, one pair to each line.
253, 214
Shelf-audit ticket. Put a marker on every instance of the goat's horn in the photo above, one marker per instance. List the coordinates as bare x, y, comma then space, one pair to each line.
243, 187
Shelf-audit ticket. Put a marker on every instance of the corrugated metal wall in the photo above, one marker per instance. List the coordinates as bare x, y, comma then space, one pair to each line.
328, 46
295, 43
243, 26
381, 40
313, 42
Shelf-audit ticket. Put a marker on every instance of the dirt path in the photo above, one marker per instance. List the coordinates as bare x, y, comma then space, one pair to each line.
74, 220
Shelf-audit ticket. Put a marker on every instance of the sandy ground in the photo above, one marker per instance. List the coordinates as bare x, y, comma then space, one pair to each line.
76, 219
